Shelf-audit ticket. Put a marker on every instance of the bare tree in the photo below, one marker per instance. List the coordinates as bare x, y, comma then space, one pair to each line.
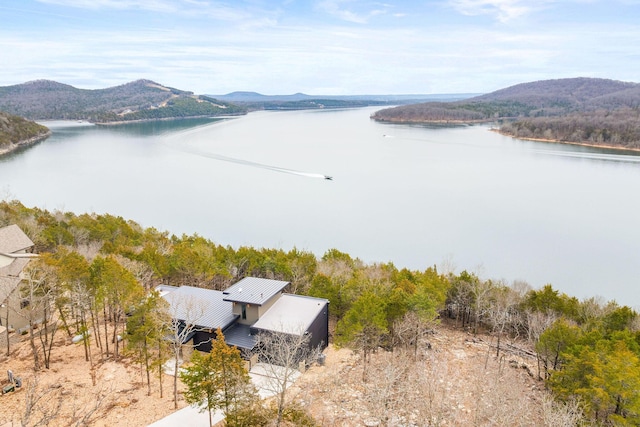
412, 330
41, 404
561, 414
183, 314
140, 270
282, 355
6, 304
388, 390
88, 414
39, 291
502, 311
481, 291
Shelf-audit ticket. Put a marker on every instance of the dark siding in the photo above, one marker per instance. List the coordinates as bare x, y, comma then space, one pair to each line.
319, 329
202, 340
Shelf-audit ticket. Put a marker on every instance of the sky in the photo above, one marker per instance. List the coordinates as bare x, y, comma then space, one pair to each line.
318, 47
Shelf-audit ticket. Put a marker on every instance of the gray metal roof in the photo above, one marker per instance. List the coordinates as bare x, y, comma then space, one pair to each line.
13, 239
239, 335
291, 314
202, 307
253, 290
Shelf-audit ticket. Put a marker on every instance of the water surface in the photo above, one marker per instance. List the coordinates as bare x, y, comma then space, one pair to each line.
412, 195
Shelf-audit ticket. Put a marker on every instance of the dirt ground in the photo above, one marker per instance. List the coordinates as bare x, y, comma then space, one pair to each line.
467, 386
66, 393
463, 384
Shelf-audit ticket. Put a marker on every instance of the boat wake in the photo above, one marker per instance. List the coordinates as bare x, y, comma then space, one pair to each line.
624, 158
254, 164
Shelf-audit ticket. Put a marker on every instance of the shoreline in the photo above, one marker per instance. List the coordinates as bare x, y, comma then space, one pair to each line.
124, 122
432, 122
497, 130
24, 143
580, 144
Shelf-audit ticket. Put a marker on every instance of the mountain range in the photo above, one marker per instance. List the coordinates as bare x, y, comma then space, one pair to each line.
148, 100
137, 100
255, 97
578, 110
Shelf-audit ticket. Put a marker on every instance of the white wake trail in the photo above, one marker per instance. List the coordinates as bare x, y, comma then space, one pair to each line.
252, 164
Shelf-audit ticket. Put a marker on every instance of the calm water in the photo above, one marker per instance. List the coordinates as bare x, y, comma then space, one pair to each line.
416, 196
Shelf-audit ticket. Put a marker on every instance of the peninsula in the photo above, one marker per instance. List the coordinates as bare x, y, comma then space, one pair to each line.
586, 111
16, 132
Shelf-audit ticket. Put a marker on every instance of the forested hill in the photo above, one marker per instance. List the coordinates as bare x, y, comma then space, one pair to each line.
579, 110
138, 100
579, 93
15, 131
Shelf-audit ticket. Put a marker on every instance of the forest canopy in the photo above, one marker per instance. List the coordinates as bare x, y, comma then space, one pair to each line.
100, 269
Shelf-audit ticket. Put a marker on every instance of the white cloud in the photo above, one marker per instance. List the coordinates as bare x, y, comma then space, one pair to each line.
279, 51
151, 5
188, 8
341, 10
503, 10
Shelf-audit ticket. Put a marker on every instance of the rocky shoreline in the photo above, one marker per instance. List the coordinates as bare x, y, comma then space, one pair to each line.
581, 144
24, 143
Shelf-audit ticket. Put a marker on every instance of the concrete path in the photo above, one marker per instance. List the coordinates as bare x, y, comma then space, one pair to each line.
261, 376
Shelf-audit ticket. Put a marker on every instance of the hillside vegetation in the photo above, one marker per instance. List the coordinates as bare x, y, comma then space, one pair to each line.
579, 110
15, 130
96, 268
138, 100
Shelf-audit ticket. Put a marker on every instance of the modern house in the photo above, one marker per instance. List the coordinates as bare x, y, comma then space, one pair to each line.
15, 254
245, 309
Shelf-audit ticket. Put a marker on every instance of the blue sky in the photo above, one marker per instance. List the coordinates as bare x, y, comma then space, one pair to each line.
326, 47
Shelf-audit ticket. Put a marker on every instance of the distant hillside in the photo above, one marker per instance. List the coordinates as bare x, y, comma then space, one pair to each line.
16, 131
579, 110
138, 100
298, 101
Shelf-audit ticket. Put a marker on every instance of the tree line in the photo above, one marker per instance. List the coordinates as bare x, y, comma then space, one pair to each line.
97, 272
14, 129
619, 128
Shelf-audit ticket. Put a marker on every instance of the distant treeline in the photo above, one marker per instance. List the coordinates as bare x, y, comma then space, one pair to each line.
174, 108
312, 104
581, 110
617, 128
465, 112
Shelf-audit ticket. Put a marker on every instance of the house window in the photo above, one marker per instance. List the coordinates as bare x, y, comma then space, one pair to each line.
244, 311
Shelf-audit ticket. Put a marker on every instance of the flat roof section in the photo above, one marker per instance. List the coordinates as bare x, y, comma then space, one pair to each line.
291, 314
253, 290
239, 335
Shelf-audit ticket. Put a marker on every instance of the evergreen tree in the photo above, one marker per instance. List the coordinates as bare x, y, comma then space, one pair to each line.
145, 333
219, 380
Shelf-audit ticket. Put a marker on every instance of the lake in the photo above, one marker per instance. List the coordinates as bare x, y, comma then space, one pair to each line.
416, 196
